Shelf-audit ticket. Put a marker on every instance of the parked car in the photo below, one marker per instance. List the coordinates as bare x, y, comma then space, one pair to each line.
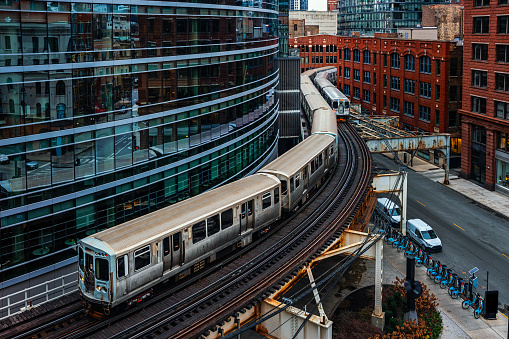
31, 164
4, 160
423, 235
389, 210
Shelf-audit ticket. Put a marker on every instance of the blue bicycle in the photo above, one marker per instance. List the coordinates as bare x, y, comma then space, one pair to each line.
434, 269
458, 289
478, 303
441, 275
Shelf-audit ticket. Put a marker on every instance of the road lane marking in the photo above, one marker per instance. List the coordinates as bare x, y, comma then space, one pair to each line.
459, 227
420, 203
505, 255
504, 315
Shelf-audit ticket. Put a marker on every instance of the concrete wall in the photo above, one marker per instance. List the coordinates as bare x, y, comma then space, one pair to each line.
327, 21
427, 33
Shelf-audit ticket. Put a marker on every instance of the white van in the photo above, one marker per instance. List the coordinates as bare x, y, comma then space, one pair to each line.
389, 210
423, 235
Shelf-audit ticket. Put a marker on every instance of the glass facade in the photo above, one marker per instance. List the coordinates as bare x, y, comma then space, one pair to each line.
108, 112
385, 16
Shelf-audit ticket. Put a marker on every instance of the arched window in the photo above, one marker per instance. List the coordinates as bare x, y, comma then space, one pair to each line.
356, 55
11, 106
366, 56
409, 62
347, 54
10, 86
425, 64
394, 60
38, 109
60, 88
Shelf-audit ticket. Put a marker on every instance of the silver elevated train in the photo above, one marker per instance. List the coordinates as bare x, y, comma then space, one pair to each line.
325, 80
121, 265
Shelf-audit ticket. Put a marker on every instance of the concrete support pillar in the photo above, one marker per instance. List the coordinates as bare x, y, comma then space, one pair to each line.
404, 176
378, 316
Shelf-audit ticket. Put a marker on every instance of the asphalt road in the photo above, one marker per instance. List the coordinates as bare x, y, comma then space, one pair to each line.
472, 236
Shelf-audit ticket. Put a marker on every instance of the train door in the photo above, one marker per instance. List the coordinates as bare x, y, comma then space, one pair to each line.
326, 159
172, 253
89, 273
306, 178
176, 255
246, 216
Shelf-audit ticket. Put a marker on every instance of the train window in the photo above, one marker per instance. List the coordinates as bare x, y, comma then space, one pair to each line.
199, 232
313, 167
166, 246
101, 269
243, 211
141, 257
297, 180
291, 185
81, 259
320, 160
250, 207
284, 188
335, 104
213, 225
122, 266
266, 201
176, 241
276, 195
226, 218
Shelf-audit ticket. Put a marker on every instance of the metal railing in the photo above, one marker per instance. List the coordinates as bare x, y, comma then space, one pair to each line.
36, 295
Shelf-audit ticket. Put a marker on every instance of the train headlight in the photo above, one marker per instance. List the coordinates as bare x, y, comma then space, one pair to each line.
101, 288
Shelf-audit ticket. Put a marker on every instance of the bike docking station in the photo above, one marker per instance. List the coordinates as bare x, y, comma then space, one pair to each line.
413, 290
472, 283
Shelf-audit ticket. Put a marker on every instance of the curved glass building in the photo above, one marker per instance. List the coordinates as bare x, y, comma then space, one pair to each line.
110, 111
385, 16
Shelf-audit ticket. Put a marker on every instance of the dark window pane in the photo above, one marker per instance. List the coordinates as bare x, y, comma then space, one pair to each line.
141, 257
199, 232
120, 267
227, 218
101, 269
213, 225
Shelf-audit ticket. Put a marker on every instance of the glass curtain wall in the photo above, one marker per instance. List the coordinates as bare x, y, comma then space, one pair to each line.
109, 111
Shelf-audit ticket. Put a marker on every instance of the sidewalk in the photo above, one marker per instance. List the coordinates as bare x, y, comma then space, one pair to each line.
457, 322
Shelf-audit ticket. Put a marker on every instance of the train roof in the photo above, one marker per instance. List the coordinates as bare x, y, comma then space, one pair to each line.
292, 161
335, 93
308, 89
315, 101
323, 83
145, 229
324, 121
304, 79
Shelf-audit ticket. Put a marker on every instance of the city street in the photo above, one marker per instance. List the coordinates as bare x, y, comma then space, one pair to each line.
471, 235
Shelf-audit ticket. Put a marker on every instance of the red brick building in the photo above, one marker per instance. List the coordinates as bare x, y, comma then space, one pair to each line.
485, 113
332, 5
418, 80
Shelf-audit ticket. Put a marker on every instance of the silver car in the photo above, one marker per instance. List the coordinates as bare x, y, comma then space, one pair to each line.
4, 160
31, 164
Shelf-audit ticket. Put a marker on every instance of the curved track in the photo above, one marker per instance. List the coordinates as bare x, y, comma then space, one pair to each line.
192, 308
249, 278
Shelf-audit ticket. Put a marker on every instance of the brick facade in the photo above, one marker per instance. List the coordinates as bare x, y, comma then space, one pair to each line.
445, 17
486, 63
323, 50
